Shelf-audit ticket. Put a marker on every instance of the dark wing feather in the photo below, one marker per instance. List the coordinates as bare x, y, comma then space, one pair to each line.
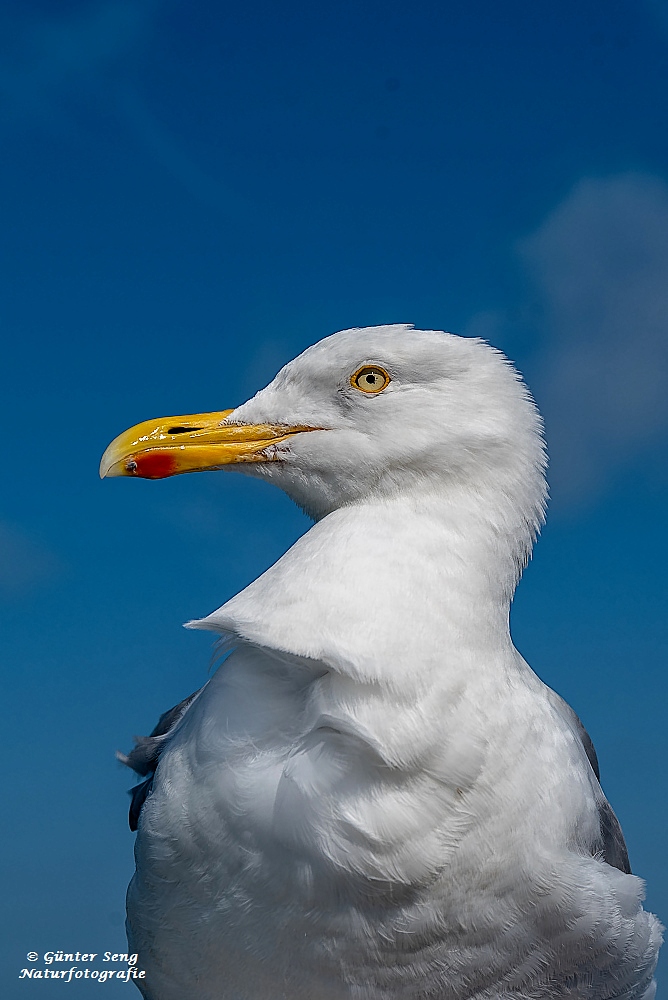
144, 756
613, 846
139, 794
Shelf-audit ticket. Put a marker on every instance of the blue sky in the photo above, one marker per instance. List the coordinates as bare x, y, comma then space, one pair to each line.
192, 194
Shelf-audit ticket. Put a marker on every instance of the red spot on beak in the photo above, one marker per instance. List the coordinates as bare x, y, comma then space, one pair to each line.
154, 465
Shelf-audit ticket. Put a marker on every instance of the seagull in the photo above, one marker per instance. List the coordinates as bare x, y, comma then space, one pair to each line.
375, 797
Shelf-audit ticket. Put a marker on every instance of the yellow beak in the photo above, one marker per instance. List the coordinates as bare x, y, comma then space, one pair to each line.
168, 446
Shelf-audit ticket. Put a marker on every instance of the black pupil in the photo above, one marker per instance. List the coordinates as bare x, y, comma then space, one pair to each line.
371, 379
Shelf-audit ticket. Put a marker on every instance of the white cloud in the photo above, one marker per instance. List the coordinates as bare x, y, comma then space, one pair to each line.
50, 63
24, 564
46, 56
660, 10
599, 264
596, 306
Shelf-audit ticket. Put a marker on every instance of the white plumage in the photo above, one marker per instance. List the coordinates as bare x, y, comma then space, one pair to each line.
375, 798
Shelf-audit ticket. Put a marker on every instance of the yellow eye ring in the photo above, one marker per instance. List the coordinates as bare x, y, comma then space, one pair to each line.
370, 378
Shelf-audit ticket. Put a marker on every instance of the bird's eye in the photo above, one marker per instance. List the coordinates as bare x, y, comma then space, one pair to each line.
370, 378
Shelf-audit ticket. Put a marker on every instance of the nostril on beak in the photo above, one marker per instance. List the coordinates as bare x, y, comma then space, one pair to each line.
182, 430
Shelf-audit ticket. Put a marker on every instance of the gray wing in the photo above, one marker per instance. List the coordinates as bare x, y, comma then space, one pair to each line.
612, 846
144, 756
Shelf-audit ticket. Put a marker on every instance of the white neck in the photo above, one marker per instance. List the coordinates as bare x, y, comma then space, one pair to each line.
373, 587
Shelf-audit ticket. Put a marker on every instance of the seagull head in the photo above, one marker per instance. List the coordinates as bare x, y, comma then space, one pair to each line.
366, 415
